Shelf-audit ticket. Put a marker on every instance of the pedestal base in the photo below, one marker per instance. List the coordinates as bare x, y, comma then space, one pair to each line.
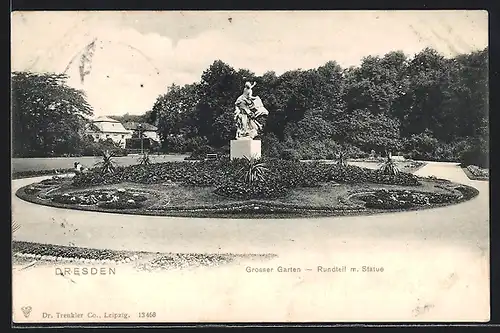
248, 148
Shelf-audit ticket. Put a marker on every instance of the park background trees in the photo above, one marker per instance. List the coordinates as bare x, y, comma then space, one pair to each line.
425, 107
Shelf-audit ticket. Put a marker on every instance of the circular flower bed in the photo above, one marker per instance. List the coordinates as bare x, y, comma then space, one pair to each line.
273, 188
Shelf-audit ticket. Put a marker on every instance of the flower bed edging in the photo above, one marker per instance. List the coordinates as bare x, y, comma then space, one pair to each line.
38, 251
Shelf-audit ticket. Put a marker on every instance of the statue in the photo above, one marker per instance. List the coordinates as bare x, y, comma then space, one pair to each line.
248, 109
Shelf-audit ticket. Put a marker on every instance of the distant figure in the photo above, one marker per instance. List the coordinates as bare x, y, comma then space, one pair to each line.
78, 168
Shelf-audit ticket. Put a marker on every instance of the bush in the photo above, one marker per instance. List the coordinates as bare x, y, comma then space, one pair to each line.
389, 167
181, 144
421, 146
354, 152
289, 155
477, 153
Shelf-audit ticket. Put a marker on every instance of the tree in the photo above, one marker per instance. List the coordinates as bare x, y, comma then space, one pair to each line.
311, 128
428, 74
174, 111
49, 117
368, 132
377, 84
426, 102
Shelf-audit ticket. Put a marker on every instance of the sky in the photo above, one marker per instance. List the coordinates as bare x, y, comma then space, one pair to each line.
139, 54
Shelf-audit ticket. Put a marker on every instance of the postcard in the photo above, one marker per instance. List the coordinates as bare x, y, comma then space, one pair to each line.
250, 166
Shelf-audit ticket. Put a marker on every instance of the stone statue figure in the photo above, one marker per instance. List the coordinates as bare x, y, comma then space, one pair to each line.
248, 109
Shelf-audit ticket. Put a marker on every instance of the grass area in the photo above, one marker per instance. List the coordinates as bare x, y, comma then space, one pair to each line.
29, 174
36, 164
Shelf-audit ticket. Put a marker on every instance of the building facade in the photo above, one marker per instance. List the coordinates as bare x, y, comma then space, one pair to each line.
104, 128
148, 131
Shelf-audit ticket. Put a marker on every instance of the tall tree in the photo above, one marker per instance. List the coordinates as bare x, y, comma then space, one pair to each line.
49, 117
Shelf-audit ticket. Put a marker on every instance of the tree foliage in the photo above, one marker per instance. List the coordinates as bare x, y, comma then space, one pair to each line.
424, 106
48, 116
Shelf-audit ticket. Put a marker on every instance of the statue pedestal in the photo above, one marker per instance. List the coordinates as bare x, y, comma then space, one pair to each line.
248, 148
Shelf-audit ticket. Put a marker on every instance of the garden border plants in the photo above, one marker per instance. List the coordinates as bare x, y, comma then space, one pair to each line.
469, 172
157, 260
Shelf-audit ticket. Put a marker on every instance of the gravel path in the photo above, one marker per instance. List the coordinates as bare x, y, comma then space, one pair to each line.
435, 264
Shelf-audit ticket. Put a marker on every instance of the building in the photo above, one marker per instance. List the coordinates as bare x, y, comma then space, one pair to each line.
148, 131
104, 128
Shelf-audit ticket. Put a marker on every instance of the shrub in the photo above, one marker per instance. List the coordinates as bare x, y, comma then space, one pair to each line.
341, 158
289, 155
354, 152
145, 159
389, 167
253, 170
477, 153
107, 165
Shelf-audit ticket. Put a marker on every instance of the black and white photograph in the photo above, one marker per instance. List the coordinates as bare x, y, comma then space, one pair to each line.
250, 166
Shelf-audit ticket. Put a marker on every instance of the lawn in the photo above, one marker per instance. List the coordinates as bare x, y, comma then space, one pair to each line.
52, 163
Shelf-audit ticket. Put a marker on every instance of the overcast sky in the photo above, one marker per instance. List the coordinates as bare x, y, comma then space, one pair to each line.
139, 54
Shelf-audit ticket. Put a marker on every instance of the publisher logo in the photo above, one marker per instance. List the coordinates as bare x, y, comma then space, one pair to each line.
26, 311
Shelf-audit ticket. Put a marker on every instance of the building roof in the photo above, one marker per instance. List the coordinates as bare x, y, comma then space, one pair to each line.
145, 126
105, 119
110, 127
